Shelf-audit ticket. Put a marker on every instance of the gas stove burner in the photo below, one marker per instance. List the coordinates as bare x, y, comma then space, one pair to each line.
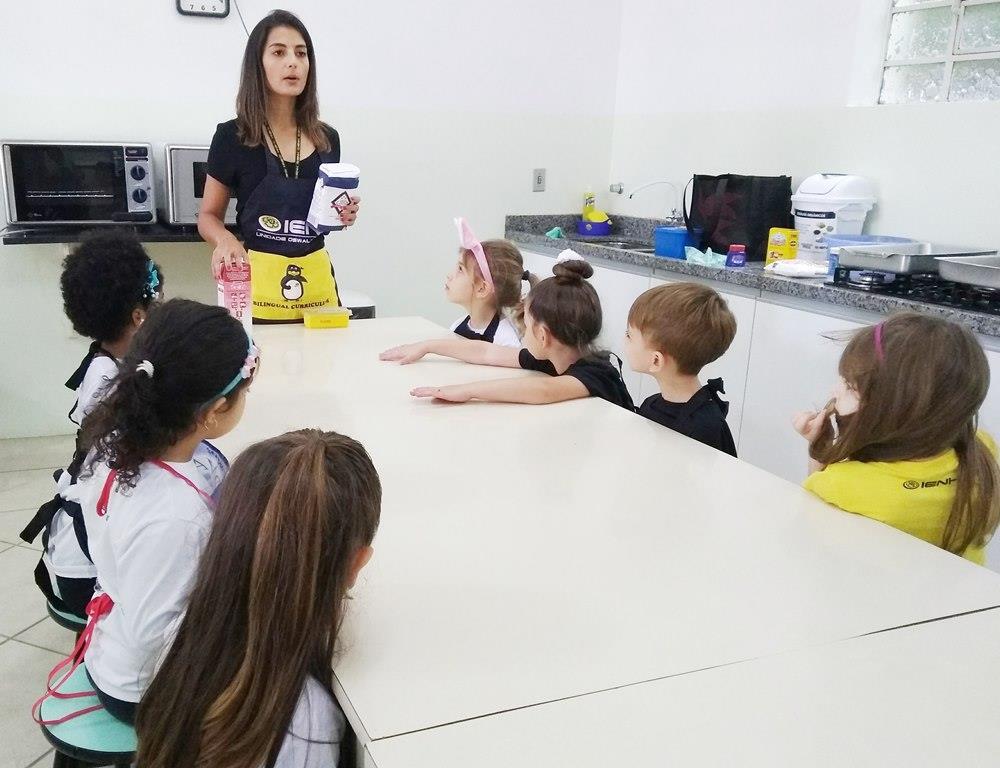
926, 287
870, 279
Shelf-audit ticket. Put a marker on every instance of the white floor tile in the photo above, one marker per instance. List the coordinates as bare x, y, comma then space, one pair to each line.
48, 635
12, 522
21, 604
36, 452
25, 488
23, 669
45, 759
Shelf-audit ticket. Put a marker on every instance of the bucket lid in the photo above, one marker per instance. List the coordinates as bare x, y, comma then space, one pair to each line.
835, 188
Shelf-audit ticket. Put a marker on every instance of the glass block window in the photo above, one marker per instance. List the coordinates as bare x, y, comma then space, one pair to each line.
942, 50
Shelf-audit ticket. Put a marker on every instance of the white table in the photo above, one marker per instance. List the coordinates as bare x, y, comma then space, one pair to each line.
532, 553
921, 696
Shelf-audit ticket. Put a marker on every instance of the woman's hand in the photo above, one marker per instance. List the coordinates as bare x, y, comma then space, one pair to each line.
229, 252
453, 394
349, 213
404, 354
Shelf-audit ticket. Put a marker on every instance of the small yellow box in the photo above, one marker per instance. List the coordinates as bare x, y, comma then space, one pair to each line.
782, 244
326, 317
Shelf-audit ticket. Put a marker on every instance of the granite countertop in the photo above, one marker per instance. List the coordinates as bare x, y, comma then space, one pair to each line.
529, 231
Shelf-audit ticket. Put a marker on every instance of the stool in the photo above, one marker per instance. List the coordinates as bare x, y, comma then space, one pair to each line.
361, 305
65, 620
96, 738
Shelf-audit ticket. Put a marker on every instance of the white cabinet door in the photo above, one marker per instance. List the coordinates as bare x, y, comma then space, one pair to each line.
617, 290
793, 367
538, 264
732, 366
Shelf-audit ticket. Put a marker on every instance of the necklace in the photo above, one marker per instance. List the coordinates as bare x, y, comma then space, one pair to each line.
277, 149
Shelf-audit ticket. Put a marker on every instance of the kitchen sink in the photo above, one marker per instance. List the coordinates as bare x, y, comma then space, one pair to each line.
610, 242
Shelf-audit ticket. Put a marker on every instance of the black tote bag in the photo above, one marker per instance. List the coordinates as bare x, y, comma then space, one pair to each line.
733, 209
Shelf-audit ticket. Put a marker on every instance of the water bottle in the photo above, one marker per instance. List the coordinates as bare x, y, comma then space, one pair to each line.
737, 256
234, 293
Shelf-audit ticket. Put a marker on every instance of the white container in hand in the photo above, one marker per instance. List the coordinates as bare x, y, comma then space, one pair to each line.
335, 185
830, 204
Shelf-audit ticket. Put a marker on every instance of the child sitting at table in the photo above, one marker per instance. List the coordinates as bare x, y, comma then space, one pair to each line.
486, 282
673, 332
562, 317
899, 443
248, 680
108, 284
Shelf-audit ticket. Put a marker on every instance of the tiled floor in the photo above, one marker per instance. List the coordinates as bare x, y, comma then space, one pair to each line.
30, 642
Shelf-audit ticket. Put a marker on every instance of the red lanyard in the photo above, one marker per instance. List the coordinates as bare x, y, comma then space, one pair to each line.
102, 501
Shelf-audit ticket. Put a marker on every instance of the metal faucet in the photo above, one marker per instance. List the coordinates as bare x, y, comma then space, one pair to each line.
620, 189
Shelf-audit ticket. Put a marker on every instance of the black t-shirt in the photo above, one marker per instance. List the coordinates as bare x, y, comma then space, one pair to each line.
595, 372
242, 168
703, 417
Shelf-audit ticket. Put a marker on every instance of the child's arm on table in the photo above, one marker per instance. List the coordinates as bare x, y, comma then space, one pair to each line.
533, 390
466, 350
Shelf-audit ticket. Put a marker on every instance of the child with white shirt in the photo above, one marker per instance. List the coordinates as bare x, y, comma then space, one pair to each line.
147, 486
487, 282
108, 285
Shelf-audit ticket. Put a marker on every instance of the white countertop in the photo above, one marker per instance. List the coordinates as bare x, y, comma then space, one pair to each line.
531, 553
920, 696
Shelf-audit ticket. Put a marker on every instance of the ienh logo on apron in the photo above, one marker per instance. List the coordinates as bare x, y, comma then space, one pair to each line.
290, 270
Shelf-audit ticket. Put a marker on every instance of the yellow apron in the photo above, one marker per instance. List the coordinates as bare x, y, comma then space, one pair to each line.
282, 286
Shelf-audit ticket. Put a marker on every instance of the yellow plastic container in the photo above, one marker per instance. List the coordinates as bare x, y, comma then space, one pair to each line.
782, 244
326, 317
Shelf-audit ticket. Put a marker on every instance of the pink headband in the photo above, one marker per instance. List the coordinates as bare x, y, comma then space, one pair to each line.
879, 352
468, 241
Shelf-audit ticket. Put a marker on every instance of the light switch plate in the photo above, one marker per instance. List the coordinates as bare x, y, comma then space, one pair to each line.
538, 180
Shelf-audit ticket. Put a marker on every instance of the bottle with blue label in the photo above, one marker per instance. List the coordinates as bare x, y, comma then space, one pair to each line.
737, 256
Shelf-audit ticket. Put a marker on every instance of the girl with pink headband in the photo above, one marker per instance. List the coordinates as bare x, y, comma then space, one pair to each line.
899, 443
486, 282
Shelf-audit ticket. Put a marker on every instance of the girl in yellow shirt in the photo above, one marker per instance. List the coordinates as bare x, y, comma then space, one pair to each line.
898, 441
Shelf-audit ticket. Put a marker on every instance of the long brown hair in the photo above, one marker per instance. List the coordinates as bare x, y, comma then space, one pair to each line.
251, 100
920, 381
267, 604
507, 270
568, 305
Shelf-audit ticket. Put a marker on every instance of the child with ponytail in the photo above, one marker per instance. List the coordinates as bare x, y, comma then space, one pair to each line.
899, 441
148, 484
248, 678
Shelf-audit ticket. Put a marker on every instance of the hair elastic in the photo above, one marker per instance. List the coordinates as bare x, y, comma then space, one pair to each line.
151, 290
145, 367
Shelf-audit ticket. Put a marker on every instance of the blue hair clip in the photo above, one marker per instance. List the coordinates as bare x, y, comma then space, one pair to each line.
152, 288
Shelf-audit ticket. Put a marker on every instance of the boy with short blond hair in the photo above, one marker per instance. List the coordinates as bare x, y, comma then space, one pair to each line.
674, 331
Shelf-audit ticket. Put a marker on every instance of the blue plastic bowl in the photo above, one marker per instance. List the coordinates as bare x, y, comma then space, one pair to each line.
593, 228
669, 242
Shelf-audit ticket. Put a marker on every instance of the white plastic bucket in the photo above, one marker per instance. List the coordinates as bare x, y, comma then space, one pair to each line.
830, 204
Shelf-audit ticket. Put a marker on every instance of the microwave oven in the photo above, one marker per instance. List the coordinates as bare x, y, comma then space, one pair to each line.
77, 183
187, 167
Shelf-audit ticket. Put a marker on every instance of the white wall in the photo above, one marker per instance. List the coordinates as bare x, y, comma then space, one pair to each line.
762, 87
445, 106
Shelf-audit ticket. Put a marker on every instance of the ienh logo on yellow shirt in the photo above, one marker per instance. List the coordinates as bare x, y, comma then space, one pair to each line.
912, 485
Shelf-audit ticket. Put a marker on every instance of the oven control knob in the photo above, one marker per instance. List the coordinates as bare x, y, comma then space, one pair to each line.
139, 195
138, 172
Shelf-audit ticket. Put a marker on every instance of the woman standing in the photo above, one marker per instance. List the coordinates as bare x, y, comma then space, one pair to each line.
269, 158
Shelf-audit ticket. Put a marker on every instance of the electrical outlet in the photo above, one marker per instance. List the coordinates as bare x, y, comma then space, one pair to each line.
538, 180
